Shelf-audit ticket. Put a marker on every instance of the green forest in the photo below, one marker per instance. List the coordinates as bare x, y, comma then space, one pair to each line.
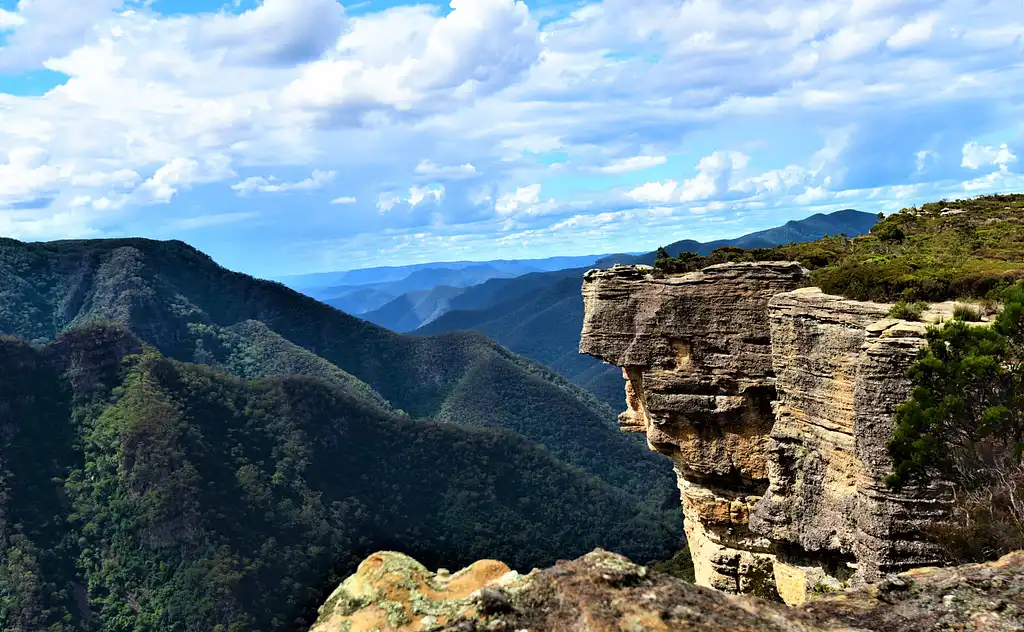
184, 448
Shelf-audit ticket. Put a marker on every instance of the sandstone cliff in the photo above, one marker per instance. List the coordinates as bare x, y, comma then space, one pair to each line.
775, 403
605, 592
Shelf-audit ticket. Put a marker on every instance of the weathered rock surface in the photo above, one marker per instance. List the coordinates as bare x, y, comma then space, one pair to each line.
696, 351
391, 591
603, 591
775, 403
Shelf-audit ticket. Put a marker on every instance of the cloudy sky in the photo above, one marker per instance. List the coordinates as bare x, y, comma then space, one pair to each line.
290, 136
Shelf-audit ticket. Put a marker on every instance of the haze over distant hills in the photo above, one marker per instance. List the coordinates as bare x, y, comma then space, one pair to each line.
540, 315
366, 289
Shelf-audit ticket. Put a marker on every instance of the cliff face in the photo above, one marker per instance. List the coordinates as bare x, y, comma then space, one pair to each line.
775, 403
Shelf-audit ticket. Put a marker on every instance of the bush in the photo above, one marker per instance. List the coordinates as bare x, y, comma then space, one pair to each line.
964, 423
908, 311
967, 313
985, 523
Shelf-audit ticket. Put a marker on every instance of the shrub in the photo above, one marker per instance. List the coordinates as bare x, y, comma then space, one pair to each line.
986, 522
889, 232
964, 423
908, 311
967, 313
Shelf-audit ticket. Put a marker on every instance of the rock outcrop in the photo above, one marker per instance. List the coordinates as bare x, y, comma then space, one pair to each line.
605, 592
775, 403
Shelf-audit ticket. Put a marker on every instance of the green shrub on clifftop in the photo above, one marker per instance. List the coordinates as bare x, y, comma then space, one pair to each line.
942, 250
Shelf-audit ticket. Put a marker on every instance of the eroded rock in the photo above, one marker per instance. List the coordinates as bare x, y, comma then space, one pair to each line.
775, 403
605, 592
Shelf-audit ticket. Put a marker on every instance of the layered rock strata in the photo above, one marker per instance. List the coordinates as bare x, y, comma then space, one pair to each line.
775, 403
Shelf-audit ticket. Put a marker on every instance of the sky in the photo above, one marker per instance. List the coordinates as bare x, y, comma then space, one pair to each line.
294, 136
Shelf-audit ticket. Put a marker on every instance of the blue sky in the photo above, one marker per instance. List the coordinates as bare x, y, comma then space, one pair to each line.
293, 136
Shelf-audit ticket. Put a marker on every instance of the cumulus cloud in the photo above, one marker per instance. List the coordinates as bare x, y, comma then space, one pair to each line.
10, 19
480, 47
174, 102
654, 191
715, 173
27, 180
417, 195
259, 184
181, 174
633, 163
523, 198
976, 155
43, 29
277, 32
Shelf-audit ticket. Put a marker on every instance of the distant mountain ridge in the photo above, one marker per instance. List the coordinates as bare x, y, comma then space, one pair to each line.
540, 315
848, 221
363, 290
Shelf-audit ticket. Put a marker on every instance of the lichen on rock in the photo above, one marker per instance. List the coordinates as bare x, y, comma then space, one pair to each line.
391, 591
605, 592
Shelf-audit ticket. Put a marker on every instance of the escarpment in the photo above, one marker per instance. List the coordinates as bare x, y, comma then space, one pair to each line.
775, 403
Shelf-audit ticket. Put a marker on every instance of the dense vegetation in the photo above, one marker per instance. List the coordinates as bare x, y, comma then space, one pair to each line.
964, 424
942, 250
185, 448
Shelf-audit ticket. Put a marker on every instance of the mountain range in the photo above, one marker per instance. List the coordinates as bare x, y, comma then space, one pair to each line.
363, 290
540, 315
178, 442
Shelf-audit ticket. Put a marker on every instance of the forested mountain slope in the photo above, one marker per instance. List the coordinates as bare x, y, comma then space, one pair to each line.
226, 438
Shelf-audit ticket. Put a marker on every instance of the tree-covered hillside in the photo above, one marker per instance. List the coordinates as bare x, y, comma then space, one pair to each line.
181, 441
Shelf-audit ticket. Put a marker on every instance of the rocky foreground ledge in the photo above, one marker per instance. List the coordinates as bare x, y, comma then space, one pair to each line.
602, 591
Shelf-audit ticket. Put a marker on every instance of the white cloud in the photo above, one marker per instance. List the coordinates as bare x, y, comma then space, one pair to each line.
483, 89
634, 163
715, 175
123, 178
654, 191
343, 200
520, 199
182, 173
425, 193
27, 179
417, 195
976, 155
922, 158
913, 33
387, 201
430, 169
10, 20
271, 184
478, 48
276, 32
49, 28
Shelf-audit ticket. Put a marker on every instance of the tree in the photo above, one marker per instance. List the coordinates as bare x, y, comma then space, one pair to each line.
966, 412
964, 423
